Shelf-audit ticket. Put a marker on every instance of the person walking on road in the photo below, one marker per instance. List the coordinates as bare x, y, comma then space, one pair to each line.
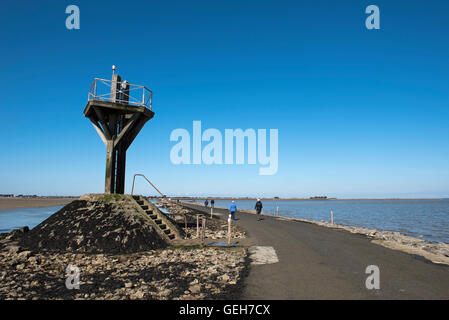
206, 203
258, 208
232, 210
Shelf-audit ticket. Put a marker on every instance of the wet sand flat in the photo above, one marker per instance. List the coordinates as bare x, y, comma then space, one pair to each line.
15, 203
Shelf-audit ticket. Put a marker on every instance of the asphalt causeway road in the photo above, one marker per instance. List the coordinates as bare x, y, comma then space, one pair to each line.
316, 262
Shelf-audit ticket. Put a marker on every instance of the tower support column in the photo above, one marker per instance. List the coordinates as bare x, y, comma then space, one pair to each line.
121, 165
110, 168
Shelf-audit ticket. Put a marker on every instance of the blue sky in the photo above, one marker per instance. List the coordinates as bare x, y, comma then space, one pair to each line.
360, 113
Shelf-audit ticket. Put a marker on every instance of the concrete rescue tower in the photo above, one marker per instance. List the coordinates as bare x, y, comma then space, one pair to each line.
118, 111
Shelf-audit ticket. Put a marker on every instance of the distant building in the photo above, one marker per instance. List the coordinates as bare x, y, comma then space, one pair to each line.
318, 198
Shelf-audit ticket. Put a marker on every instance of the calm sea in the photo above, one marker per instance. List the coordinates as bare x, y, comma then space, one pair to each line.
429, 218
31, 217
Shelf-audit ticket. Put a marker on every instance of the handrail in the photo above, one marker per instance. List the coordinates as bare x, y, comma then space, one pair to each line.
127, 93
139, 174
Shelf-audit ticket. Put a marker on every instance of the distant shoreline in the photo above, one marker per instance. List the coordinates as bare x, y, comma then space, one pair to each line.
8, 203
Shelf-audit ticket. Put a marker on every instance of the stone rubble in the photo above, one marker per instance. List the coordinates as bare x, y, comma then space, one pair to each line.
198, 273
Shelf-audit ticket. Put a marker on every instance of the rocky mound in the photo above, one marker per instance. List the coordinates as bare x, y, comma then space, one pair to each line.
95, 224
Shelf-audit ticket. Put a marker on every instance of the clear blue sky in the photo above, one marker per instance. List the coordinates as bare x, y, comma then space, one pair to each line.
360, 113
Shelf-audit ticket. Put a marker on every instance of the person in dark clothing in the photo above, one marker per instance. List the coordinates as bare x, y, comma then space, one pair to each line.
258, 208
206, 203
212, 203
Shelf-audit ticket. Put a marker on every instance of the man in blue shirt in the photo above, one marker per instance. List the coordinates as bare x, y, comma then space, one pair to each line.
232, 210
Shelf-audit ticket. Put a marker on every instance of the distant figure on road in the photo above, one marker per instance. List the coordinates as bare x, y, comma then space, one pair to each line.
206, 203
258, 208
212, 203
232, 210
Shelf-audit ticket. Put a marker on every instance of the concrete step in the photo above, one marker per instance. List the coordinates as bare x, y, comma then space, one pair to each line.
167, 231
171, 236
163, 226
158, 221
136, 197
139, 202
153, 216
144, 207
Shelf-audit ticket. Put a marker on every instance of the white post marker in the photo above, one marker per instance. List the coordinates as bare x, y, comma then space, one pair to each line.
277, 211
197, 226
332, 217
203, 229
229, 230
